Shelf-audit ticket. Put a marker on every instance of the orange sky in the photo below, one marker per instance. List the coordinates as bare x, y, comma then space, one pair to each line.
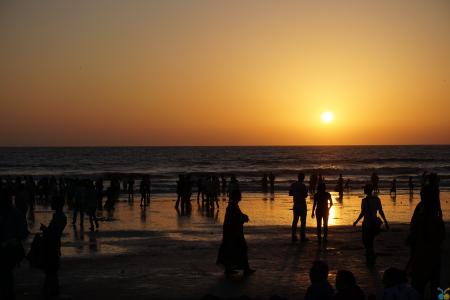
224, 73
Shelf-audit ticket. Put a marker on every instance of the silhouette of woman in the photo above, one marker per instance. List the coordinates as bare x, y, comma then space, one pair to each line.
322, 210
370, 206
233, 250
427, 233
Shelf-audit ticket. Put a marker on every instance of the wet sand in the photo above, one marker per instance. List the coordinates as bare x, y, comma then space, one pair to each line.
163, 255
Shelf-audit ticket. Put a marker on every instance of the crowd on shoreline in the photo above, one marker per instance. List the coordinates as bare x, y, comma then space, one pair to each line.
85, 196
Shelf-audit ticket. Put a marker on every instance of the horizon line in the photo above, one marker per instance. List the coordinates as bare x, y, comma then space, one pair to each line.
217, 146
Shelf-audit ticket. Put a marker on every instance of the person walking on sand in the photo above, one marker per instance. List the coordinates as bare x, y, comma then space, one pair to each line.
299, 192
322, 211
427, 234
52, 245
393, 188
233, 250
371, 226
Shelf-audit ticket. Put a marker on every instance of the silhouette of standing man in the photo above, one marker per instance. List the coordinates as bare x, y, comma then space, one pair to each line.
299, 191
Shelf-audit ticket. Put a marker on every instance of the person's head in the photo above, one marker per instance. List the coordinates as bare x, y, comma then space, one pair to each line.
318, 271
368, 189
344, 280
235, 196
233, 178
393, 277
301, 177
57, 203
322, 187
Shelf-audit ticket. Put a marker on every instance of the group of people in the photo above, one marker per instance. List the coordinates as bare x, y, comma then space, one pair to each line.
18, 197
425, 239
14, 230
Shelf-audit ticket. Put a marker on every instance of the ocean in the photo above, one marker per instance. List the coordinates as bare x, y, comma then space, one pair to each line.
164, 164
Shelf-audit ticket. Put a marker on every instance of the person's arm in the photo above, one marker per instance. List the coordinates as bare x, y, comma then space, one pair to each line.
380, 210
361, 214
314, 207
331, 202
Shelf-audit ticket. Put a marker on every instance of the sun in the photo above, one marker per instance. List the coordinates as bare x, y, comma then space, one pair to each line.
327, 117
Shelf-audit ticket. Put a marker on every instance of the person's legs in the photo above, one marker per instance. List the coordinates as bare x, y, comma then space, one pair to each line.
319, 226
303, 224
325, 226
74, 216
296, 216
368, 241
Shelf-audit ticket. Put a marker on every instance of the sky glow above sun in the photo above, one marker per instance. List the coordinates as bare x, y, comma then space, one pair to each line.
173, 73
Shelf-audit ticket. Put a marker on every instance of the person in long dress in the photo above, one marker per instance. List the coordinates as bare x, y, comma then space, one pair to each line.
233, 250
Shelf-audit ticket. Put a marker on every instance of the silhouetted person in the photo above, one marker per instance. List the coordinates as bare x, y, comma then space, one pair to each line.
233, 186
99, 192
371, 226
347, 185
347, 288
52, 245
223, 181
312, 183
13, 230
411, 185
396, 286
322, 210
427, 233
233, 250
91, 204
375, 180
272, 182
145, 190
299, 193
264, 183
340, 186
130, 189
320, 288
393, 187
79, 205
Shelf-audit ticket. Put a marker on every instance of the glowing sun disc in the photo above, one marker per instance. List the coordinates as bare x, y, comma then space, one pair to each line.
327, 117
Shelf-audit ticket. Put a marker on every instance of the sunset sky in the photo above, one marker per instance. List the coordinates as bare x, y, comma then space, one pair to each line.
118, 73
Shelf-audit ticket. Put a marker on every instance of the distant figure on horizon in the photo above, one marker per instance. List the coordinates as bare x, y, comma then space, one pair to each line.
347, 185
371, 227
347, 288
272, 182
145, 188
322, 210
411, 185
223, 181
320, 288
375, 180
299, 193
233, 250
130, 189
393, 188
427, 234
264, 183
312, 183
340, 186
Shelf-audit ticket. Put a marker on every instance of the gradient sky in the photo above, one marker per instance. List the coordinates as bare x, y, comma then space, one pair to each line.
224, 72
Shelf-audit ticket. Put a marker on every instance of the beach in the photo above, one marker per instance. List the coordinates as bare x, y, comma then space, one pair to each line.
159, 253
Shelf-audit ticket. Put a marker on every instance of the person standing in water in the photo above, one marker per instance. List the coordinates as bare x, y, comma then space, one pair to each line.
370, 207
322, 211
233, 250
299, 192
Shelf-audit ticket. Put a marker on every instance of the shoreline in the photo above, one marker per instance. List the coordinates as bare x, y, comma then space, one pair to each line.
160, 266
